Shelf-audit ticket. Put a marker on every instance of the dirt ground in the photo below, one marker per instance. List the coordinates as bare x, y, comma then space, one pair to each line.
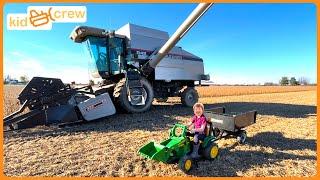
281, 143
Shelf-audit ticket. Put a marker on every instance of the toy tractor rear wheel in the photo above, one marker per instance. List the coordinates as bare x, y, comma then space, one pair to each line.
189, 96
186, 163
211, 151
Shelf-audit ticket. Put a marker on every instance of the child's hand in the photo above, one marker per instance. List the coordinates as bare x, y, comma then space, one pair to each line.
192, 131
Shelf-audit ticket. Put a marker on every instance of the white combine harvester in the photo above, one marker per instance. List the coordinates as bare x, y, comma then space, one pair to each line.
137, 64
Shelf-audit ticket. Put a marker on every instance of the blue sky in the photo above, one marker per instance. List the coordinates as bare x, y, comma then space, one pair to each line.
240, 43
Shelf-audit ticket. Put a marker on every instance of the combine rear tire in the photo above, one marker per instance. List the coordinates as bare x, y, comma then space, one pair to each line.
121, 98
189, 97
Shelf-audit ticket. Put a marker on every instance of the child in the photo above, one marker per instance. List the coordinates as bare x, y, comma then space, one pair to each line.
197, 127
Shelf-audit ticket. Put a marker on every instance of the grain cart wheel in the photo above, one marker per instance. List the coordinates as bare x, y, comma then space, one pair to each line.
189, 97
121, 97
211, 151
242, 137
186, 163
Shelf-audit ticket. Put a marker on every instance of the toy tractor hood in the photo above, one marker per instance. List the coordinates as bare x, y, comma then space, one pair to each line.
80, 33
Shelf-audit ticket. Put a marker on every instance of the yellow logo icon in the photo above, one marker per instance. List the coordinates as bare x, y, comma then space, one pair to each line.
40, 18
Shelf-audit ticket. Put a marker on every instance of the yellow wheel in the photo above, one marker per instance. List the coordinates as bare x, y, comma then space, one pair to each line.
214, 151
211, 151
186, 163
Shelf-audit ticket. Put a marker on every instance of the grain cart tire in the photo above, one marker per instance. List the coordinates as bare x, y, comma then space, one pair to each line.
162, 100
189, 97
211, 151
121, 98
186, 163
241, 138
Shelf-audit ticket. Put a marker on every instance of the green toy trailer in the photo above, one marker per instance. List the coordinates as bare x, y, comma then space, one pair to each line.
178, 147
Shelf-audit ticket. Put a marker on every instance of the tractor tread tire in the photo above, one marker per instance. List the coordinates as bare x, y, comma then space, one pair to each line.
121, 99
117, 92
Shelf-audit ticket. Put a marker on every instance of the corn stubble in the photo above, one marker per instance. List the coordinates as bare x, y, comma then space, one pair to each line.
281, 143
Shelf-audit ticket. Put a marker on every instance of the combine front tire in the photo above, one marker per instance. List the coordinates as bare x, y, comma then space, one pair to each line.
121, 97
189, 97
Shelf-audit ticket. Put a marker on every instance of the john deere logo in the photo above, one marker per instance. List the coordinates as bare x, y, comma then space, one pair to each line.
42, 17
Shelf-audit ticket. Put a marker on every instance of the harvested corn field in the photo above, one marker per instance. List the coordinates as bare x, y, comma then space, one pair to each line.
281, 143
215, 91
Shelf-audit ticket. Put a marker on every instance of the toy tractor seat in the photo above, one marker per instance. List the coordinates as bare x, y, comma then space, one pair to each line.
208, 129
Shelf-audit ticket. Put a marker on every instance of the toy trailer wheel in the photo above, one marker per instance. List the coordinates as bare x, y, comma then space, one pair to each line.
211, 151
242, 137
189, 97
186, 163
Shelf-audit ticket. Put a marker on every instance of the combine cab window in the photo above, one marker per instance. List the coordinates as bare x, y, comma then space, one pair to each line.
98, 54
116, 51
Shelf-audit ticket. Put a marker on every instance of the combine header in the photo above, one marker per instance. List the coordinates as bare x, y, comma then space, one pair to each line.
49, 101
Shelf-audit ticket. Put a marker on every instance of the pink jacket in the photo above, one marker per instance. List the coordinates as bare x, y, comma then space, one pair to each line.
198, 122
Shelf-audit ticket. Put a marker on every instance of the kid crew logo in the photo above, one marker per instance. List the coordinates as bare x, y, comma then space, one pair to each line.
42, 17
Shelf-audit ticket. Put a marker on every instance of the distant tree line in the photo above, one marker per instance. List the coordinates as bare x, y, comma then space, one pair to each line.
285, 81
10, 80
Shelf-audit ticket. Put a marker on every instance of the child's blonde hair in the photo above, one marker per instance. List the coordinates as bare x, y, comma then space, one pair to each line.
200, 105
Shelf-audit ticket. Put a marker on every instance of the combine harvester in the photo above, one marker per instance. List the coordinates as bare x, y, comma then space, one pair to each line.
137, 65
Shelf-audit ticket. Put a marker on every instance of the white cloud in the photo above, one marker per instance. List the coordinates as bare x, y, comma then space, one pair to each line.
21, 65
69, 74
17, 64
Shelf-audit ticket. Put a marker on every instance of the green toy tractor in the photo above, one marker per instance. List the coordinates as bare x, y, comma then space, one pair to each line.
179, 147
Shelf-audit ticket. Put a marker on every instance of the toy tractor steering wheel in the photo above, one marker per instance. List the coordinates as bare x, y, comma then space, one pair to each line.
178, 127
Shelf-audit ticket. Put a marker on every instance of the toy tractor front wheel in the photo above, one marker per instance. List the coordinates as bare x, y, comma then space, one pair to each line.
186, 163
211, 151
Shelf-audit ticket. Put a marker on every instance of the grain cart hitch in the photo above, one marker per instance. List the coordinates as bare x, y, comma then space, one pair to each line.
49, 101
